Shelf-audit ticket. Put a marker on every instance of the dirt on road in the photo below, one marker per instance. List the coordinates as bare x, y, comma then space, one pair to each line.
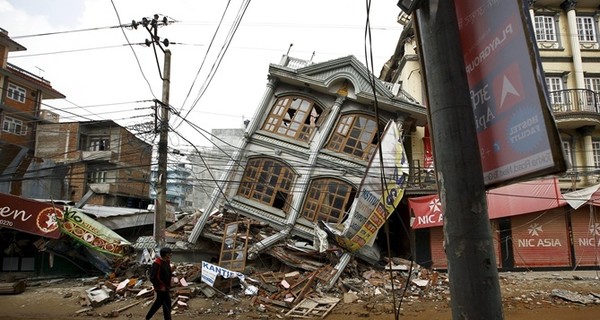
525, 295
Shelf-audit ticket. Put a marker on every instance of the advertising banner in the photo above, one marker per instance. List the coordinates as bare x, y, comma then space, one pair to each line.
30, 216
375, 202
92, 233
516, 130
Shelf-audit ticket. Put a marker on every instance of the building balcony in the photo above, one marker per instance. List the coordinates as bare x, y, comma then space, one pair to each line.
119, 189
575, 108
105, 155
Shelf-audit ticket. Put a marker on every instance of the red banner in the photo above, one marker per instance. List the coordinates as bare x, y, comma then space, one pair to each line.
511, 200
30, 216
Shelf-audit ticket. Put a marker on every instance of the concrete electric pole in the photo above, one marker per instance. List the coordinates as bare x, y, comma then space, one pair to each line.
472, 270
160, 205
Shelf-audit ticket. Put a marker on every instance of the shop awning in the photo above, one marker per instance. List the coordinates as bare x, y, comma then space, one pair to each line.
512, 200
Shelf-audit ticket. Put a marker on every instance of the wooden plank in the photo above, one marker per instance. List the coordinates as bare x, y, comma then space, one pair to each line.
313, 307
304, 286
180, 223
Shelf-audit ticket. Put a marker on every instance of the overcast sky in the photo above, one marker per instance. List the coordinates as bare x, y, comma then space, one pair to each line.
100, 75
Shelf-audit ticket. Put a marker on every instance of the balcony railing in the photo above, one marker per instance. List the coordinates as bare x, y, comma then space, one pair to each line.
574, 100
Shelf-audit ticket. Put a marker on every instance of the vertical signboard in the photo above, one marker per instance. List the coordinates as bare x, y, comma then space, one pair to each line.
374, 203
517, 135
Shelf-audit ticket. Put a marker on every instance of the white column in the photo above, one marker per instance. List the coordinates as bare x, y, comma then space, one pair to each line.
588, 151
532, 13
569, 7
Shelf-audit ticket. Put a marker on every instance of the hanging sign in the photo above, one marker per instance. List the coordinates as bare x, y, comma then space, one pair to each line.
35, 217
516, 131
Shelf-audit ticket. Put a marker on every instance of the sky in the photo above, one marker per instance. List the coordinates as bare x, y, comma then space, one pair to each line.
108, 73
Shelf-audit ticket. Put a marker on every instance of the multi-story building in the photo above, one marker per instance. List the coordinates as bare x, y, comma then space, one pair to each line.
208, 164
100, 156
20, 114
567, 37
179, 186
307, 148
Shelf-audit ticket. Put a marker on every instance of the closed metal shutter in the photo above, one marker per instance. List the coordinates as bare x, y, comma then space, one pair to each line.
585, 222
541, 240
438, 256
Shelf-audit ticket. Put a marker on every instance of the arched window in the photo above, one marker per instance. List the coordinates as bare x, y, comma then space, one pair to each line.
328, 200
293, 117
355, 135
268, 181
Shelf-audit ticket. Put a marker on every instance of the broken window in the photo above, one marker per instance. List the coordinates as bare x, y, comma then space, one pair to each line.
355, 135
293, 117
327, 200
234, 246
268, 181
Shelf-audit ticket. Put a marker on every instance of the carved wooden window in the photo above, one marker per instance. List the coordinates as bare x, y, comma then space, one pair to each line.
355, 135
234, 246
268, 181
328, 200
293, 117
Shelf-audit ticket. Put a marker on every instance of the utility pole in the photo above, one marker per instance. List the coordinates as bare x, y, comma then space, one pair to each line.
160, 205
472, 270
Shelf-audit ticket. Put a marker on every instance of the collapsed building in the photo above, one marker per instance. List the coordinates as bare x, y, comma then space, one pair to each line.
306, 152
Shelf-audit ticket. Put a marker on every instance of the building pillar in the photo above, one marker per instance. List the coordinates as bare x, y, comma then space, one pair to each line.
588, 152
263, 107
569, 7
531, 12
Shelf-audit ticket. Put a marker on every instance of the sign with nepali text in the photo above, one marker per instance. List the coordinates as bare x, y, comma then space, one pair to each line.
516, 131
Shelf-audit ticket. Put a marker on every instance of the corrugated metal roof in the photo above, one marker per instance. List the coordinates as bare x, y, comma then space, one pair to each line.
105, 211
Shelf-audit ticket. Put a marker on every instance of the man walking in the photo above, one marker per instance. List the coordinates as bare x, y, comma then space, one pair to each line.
160, 276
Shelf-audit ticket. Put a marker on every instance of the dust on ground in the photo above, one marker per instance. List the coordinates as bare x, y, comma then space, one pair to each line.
525, 295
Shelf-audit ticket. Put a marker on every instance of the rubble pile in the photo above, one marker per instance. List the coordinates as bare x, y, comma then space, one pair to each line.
289, 279
294, 291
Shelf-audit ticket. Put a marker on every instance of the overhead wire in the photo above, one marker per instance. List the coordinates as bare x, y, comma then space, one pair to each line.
220, 56
384, 185
67, 31
70, 51
133, 51
205, 56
